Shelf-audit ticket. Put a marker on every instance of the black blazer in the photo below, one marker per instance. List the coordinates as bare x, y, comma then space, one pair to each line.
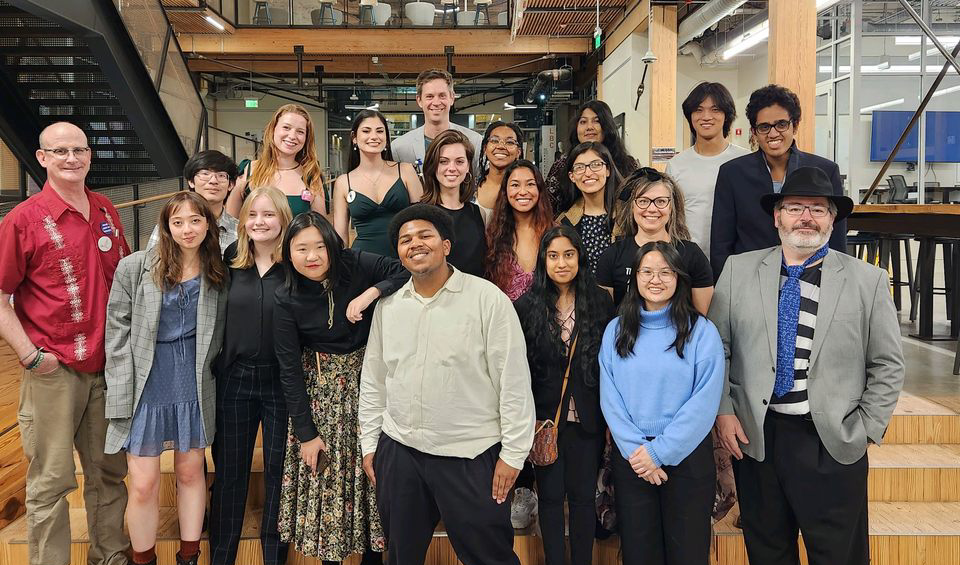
547, 377
740, 224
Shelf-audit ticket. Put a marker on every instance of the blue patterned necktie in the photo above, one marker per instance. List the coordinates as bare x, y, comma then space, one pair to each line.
788, 316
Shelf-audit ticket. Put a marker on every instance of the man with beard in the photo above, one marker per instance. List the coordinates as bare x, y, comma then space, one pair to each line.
446, 406
738, 223
798, 415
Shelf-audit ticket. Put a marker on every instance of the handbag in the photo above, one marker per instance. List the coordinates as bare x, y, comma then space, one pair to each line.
604, 499
544, 450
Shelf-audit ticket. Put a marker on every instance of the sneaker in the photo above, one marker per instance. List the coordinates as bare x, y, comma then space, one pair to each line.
523, 508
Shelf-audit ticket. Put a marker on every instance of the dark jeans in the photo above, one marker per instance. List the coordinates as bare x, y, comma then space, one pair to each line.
573, 476
667, 524
415, 490
246, 396
799, 487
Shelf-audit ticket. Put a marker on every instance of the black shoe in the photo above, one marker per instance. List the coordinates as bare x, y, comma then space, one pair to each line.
181, 561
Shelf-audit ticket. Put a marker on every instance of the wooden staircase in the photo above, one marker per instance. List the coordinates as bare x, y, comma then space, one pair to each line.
914, 493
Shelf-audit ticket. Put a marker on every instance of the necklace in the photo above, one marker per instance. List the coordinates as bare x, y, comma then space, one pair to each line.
373, 183
297, 166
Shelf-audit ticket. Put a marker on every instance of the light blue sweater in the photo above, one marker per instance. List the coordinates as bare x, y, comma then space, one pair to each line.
655, 393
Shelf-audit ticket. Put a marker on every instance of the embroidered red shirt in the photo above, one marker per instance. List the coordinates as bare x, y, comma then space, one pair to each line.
59, 268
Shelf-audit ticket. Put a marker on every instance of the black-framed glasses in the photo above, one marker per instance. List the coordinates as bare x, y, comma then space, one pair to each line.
779, 125
648, 173
595, 166
816, 211
643, 202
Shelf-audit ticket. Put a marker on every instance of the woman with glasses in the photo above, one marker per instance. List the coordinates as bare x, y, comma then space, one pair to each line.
654, 211
596, 179
448, 183
661, 379
593, 122
375, 188
563, 316
502, 145
520, 218
212, 175
165, 322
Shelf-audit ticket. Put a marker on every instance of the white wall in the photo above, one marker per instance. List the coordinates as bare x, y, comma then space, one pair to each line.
622, 71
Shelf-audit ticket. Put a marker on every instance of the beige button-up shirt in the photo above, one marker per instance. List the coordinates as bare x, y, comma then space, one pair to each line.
447, 375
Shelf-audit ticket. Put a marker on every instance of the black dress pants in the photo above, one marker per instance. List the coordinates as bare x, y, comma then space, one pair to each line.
667, 524
572, 476
415, 490
799, 487
246, 396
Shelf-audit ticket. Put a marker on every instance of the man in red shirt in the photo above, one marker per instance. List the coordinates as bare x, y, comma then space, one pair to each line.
58, 252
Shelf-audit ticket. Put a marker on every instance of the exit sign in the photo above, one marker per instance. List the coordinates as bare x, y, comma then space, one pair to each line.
596, 37
252, 103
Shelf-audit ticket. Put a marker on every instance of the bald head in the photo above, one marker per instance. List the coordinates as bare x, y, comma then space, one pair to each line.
59, 130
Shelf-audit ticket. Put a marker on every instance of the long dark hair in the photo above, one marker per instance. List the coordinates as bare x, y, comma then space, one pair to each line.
502, 231
354, 150
541, 321
484, 162
683, 315
431, 162
167, 269
613, 176
330, 240
611, 135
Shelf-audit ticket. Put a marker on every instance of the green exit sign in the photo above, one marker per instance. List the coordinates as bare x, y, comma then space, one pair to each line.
252, 103
597, 33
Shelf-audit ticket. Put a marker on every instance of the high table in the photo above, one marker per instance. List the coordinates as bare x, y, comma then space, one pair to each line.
925, 221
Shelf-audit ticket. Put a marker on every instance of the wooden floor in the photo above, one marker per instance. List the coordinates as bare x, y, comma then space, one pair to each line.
914, 493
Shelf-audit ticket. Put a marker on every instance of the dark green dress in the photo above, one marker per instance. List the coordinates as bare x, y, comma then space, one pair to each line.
370, 219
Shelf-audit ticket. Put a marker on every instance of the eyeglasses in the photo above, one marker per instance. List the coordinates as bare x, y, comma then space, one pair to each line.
508, 143
643, 202
207, 175
779, 125
63, 152
816, 211
595, 166
665, 275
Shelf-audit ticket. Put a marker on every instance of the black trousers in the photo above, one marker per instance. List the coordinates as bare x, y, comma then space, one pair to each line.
246, 396
415, 490
799, 487
573, 476
667, 524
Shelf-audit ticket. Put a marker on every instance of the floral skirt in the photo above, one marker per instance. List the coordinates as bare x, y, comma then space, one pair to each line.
332, 514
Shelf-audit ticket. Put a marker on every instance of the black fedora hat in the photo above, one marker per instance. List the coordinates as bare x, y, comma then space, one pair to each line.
808, 181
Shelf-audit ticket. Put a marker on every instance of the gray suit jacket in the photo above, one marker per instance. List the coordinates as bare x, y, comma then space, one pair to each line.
133, 312
856, 364
410, 147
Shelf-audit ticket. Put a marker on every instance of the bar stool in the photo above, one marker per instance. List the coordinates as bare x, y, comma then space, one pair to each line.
482, 7
261, 14
449, 8
924, 289
366, 7
889, 250
864, 243
326, 11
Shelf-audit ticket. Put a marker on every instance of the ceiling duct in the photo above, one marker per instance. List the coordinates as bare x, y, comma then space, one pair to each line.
543, 80
708, 15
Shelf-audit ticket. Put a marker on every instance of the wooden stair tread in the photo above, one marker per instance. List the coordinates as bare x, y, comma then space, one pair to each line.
912, 405
923, 456
888, 519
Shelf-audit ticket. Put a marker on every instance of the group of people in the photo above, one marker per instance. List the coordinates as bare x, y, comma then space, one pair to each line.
404, 338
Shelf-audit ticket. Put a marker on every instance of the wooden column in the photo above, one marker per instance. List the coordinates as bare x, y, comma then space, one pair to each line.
662, 82
793, 58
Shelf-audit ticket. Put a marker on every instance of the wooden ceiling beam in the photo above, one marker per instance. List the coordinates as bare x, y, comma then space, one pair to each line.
346, 66
634, 21
379, 42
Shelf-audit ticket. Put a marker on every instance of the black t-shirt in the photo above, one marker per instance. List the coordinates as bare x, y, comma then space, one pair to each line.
470, 248
616, 265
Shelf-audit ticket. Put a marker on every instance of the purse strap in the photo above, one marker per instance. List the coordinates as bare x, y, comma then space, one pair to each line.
566, 377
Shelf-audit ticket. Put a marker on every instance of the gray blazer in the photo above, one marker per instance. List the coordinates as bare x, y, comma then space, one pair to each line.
410, 147
856, 364
133, 312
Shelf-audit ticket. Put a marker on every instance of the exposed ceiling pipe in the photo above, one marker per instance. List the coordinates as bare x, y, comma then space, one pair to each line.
713, 46
701, 20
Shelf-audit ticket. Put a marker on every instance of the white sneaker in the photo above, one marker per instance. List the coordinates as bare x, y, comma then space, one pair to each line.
523, 509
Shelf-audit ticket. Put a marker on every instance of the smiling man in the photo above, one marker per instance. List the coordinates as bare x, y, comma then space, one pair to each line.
710, 111
739, 223
446, 406
211, 174
798, 414
435, 97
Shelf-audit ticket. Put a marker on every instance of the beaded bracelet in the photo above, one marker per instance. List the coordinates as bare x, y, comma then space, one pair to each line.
36, 360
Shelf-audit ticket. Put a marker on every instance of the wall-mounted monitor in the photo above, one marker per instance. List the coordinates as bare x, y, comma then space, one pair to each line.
942, 137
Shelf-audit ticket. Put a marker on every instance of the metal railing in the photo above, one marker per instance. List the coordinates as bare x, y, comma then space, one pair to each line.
442, 14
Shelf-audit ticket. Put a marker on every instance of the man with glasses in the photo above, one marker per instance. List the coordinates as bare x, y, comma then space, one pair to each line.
739, 223
814, 371
59, 250
211, 174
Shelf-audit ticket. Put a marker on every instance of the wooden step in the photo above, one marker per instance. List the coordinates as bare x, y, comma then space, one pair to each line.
919, 420
901, 533
914, 473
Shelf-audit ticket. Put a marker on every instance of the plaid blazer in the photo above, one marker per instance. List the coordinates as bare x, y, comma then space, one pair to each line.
133, 312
